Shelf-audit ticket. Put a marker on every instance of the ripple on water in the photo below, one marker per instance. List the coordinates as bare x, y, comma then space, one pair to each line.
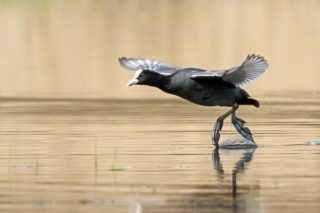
156, 156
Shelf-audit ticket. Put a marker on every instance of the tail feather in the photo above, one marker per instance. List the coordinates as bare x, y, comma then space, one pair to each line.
250, 101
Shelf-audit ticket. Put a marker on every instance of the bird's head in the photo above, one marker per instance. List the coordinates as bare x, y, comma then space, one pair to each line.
145, 77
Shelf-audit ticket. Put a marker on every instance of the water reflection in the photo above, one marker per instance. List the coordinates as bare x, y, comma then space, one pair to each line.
246, 156
111, 156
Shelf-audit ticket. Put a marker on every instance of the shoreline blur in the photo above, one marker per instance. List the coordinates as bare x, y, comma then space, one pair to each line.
65, 49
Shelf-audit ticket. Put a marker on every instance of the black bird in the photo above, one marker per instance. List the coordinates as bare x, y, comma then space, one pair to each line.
208, 88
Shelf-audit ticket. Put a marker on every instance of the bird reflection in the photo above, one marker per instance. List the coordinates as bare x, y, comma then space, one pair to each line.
239, 167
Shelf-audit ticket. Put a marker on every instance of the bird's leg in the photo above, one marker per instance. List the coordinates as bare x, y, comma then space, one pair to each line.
239, 125
218, 126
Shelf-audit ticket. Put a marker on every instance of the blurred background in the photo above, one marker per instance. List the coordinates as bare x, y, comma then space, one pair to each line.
69, 49
75, 138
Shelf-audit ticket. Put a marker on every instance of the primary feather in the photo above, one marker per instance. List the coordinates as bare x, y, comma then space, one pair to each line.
148, 64
248, 71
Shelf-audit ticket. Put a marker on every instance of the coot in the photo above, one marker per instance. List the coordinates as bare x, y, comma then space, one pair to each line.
207, 88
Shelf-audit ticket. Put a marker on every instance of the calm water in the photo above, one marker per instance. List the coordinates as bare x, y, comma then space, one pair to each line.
156, 156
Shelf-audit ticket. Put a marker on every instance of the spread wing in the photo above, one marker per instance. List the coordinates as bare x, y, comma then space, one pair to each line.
248, 71
148, 64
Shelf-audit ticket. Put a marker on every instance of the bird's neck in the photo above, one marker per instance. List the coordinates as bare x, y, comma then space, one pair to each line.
160, 82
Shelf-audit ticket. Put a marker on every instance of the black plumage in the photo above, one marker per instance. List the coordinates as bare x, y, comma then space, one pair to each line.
208, 88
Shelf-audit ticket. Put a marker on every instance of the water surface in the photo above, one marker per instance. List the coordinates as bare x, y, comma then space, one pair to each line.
156, 156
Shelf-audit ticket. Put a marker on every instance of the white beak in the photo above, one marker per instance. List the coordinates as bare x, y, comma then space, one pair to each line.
135, 80
132, 82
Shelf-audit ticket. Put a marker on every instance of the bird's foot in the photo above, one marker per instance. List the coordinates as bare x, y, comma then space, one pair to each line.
239, 125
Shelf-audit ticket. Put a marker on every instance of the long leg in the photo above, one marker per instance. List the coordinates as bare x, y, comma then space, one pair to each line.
239, 125
218, 126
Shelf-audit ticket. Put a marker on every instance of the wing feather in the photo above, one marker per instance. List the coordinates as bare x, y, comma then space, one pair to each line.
148, 64
251, 69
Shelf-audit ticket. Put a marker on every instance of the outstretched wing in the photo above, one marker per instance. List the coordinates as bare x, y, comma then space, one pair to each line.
250, 70
148, 64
